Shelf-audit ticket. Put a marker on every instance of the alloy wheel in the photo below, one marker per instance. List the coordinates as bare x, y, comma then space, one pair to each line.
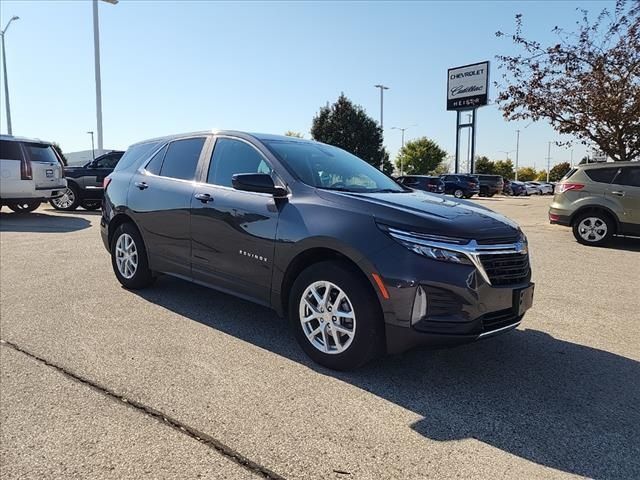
126, 256
327, 317
66, 200
592, 229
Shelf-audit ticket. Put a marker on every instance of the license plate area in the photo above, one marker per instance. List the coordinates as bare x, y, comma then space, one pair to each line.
523, 299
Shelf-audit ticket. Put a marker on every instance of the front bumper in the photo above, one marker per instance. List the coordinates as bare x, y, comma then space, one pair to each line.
461, 306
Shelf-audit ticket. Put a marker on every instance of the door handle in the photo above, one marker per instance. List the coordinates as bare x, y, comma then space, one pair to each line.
204, 197
141, 185
619, 193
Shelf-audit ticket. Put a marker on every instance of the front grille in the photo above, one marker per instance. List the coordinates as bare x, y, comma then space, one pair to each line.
498, 240
506, 269
495, 320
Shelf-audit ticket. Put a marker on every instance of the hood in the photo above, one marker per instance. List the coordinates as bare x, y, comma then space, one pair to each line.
430, 213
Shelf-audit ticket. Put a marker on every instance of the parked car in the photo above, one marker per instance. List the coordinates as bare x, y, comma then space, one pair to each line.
599, 200
531, 189
84, 184
514, 188
460, 185
490, 185
543, 187
358, 263
30, 173
423, 182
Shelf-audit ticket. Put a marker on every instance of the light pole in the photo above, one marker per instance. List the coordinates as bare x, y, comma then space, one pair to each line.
93, 150
548, 160
402, 130
96, 52
6, 82
506, 152
517, 152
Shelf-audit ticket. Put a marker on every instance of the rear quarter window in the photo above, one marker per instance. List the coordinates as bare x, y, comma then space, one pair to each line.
10, 150
135, 154
601, 175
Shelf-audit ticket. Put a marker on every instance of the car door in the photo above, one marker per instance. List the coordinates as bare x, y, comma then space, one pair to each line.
97, 171
160, 199
233, 232
624, 190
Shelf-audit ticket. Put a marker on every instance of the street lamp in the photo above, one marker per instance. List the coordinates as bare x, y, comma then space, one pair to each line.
506, 152
4, 68
402, 130
93, 150
518, 147
96, 50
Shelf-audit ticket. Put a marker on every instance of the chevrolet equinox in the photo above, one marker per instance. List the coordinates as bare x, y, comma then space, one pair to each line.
358, 263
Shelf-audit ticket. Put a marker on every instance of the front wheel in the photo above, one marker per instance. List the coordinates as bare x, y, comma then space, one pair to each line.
593, 228
335, 316
129, 258
68, 201
26, 206
458, 193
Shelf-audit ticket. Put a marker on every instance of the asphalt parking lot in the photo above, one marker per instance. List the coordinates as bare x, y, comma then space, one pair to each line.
178, 381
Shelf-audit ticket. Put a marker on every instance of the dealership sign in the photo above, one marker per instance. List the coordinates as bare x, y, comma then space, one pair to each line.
467, 86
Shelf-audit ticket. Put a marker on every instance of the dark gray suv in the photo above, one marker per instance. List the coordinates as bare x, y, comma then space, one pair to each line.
359, 264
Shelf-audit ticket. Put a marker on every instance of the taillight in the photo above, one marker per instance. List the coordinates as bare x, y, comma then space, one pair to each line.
565, 187
25, 170
106, 182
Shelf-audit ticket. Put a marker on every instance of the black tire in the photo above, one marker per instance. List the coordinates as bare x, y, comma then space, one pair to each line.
91, 204
25, 206
458, 193
142, 276
73, 192
368, 340
601, 223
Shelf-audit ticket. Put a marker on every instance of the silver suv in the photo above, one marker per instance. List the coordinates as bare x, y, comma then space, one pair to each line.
598, 201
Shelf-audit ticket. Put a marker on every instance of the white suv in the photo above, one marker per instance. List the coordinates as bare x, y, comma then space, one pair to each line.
30, 173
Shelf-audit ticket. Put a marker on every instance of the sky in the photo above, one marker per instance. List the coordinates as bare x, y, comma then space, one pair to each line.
179, 66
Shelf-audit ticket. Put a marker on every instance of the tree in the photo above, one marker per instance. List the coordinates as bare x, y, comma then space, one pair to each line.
387, 166
526, 174
420, 156
541, 176
483, 165
587, 84
504, 168
291, 133
558, 171
57, 148
348, 126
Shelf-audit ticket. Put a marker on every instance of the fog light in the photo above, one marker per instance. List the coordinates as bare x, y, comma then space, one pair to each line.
419, 306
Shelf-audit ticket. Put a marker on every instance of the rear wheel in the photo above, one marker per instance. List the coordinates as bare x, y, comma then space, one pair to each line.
91, 204
335, 316
129, 258
593, 228
25, 206
68, 201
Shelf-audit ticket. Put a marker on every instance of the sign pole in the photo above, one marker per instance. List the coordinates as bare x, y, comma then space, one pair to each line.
457, 161
473, 140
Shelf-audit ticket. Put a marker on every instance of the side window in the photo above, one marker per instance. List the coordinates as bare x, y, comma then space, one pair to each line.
10, 150
601, 175
181, 158
155, 164
231, 157
628, 176
110, 161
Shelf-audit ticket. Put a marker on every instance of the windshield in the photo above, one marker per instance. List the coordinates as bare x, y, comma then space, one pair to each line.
331, 168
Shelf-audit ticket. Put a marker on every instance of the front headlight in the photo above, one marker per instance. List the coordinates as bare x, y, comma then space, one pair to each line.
430, 246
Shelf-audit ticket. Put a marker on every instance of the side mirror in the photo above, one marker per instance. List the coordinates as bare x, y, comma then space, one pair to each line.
257, 182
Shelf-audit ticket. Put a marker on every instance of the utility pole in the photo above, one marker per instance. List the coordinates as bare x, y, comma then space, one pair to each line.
548, 160
6, 82
571, 158
382, 89
517, 151
93, 150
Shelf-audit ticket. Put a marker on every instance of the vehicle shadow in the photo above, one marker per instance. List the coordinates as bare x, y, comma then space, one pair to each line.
81, 211
632, 244
556, 403
41, 223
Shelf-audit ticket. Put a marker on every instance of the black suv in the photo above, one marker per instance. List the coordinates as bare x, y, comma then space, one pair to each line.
460, 186
84, 184
422, 182
490, 185
358, 263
